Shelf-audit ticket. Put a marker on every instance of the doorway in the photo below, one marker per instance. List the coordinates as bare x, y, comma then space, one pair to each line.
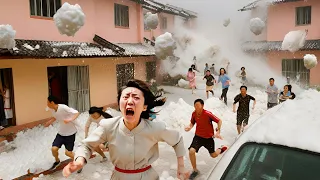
70, 84
7, 108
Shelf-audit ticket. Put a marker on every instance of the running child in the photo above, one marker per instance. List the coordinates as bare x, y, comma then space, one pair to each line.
210, 82
204, 134
243, 110
67, 131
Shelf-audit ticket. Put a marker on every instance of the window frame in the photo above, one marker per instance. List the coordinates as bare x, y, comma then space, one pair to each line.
164, 23
36, 13
236, 155
153, 71
295, 66
122, 72
305, 12
118, 18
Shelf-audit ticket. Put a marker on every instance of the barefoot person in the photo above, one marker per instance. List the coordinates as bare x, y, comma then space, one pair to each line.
204, 134
67, 130
243, 110
210, 82
96, 115
133, 139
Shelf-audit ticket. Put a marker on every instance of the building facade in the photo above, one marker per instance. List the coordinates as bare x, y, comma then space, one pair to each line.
284, 16
84, 70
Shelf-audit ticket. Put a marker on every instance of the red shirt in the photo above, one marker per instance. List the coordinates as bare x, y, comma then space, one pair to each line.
204, 127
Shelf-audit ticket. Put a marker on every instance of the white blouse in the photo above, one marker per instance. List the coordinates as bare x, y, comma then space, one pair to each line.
131, 150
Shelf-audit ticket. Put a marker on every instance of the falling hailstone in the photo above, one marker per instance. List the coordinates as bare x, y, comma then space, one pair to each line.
226, 22
294, 40
310, 61
69, 19
151, 20
164, 46
257, 26
7, 35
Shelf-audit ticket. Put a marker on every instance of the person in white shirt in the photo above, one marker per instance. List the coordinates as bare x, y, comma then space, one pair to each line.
67, 131
96, 115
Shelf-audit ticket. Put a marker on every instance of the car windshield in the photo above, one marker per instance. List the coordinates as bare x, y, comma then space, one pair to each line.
273, 162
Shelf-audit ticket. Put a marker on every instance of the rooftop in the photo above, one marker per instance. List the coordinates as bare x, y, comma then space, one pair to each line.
260, 46
166, 8
254, 4
58, 49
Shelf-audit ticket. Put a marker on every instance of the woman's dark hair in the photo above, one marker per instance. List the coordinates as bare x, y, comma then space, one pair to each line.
150, 99
190, 69
243, 68
289, 87
225, 72
100, 111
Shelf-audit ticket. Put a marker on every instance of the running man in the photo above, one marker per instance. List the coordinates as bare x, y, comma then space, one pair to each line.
272, 91
67, 132
204, 134
210, 82
243, 110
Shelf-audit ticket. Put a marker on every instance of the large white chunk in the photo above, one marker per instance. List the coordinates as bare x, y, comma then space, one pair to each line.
226, 22
151, 20
310, 61
294, 40
257, 26
7, 35
69, 19
164, 45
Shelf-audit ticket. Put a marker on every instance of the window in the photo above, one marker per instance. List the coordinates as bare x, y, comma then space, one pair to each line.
44, 8
267, 161
125, 72
303, 15
121, 15
163, 23
295, 70
151, 70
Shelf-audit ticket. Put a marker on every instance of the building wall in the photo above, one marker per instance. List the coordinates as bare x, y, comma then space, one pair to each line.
281, 20
99, 20
31, 82
275, 61
156, 32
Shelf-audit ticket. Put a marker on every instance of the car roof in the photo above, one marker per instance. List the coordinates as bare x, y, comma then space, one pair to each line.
294, 123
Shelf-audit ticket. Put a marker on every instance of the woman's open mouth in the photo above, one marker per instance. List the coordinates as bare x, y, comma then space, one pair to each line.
129, 112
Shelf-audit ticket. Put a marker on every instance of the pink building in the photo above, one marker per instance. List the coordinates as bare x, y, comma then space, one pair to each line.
285, 16
84, 70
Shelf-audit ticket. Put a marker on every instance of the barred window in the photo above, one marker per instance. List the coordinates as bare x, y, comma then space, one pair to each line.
44, 8
125, 72
295, 70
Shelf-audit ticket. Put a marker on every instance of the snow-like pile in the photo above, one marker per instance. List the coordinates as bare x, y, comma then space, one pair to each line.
7, 35
69, 19
151, 20
294, 40
183, 83
257, 26
164, 46
291, 120
310, 61
226, 22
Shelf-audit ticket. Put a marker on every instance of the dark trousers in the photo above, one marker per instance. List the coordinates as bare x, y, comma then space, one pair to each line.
224, 95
